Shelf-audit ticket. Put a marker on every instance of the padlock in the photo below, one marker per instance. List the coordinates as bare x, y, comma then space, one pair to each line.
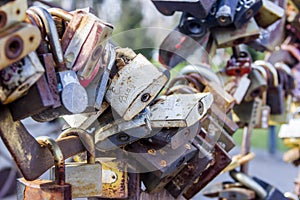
269, 38
175, 137
19, 77
221, 160
177, 47
17, 41
285, 74
97, 86
160, 161
154, 183
237, 193
47, 189
214, 190
180, 110
85, 120
268, 14
115, 179
285, 78
275, 92
249, 182
236, 86
224, 120
229, 36
83, 41
85, 177
105, 76
239, 63
37, 99
73, 95
262, 189
44, 93
226, 11
241, 112
221, 98
206, 74
245, 11
283, 56
135, 85
120, 132
263, 114
12, 12
46, 59
258, 83
211, 83
192, 26
215, 133
191, 170
198, 8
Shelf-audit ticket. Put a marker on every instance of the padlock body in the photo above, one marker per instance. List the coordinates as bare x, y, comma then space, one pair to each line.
86, 179
42, 189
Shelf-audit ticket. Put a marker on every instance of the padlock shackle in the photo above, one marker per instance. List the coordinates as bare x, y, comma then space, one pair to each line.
284, 67
52, 34
271, 68
58, 157
206, 72
249, 183
63, 14
85, 138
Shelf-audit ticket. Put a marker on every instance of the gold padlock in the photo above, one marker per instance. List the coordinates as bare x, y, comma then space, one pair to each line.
85, 177
268, 14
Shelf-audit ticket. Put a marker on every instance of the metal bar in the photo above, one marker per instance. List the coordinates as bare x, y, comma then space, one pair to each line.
247, 134
30, 157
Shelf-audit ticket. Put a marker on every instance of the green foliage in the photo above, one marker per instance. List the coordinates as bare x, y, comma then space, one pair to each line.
259, 139
128, 32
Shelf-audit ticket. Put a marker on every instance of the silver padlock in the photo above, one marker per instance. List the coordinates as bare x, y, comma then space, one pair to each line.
135, 85
73, 95
180, 110
121, 132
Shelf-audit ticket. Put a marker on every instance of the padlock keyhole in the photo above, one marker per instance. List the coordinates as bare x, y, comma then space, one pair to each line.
14, 47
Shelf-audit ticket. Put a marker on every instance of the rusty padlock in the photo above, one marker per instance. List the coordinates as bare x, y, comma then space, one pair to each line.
192, 169
17, 41
221, 160
17, 78
47, 189
44, 94
85, 177
239, 63
83, 41
12, 12
230, 36
73, 95
155, 183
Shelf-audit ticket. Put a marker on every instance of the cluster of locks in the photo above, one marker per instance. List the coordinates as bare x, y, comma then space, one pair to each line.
134, 126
